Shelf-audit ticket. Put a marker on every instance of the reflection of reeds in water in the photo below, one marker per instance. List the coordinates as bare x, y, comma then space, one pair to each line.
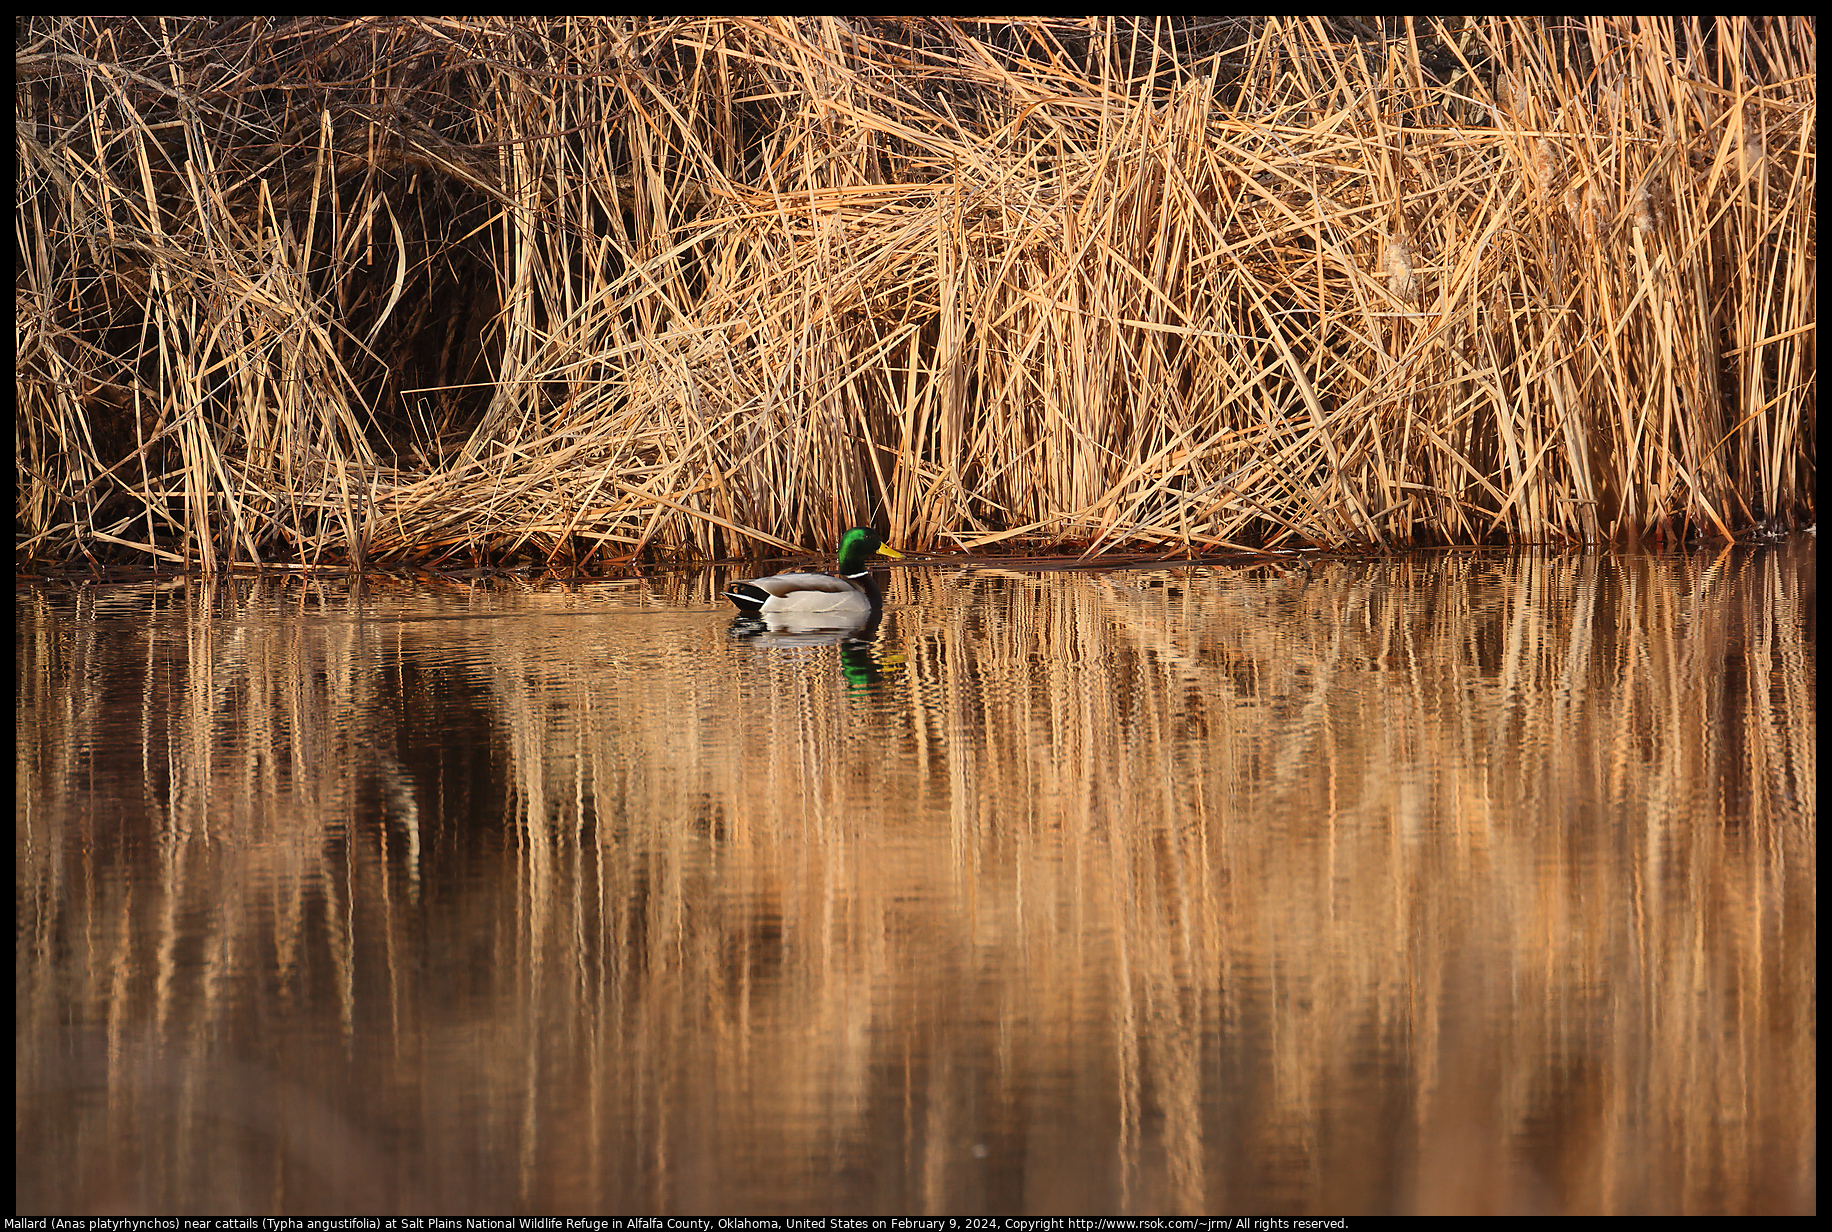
1161, 887
617, 287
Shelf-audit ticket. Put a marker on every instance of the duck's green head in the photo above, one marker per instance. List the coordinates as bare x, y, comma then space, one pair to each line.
858, 546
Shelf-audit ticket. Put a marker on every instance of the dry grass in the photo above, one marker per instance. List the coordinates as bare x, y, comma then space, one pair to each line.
399, 290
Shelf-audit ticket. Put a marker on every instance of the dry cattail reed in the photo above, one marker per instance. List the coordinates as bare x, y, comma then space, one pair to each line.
592, 289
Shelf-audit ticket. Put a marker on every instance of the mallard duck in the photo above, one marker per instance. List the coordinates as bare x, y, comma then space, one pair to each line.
843, 598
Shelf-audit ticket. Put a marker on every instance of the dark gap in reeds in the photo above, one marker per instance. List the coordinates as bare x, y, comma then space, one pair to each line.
381, 291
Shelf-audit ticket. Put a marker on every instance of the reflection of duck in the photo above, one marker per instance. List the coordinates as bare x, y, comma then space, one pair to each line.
788, 635
860, 660
847, 599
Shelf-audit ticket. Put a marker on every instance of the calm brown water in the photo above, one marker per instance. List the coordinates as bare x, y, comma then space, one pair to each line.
1462, 883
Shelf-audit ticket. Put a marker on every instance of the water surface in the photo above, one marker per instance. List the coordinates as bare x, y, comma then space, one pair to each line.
1463, 883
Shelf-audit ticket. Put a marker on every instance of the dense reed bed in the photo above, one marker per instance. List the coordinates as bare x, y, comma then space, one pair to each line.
403, 290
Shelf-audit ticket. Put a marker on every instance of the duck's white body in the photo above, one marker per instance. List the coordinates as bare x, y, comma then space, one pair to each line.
813, 593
